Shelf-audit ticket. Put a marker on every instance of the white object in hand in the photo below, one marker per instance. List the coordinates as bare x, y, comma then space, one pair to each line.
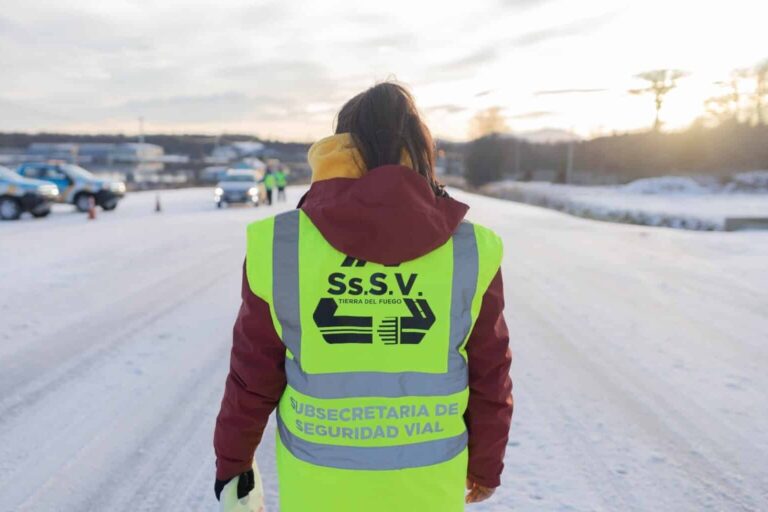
254, 502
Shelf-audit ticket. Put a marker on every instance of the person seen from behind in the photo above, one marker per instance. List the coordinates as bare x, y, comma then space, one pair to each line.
269, 184
281, 182
372, 320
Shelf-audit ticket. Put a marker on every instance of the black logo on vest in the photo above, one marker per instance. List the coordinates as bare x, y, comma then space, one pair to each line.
341, 329
408, 330
349, 261
373, 290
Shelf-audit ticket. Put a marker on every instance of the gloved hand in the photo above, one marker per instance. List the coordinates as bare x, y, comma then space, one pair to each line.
243, 493
244, 485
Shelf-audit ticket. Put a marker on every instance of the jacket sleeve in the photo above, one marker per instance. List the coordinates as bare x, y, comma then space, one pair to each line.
253, 388
489, 411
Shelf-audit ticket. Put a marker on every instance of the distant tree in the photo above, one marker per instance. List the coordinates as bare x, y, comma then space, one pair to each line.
718, 110
661, 81
727, 106
761, 91
486, 159
487, 122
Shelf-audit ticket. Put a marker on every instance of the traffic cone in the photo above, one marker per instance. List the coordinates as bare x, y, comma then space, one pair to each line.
158, 206
92, 208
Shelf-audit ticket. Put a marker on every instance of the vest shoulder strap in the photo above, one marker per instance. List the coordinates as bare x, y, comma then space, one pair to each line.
490, 252
260, 248
258, 257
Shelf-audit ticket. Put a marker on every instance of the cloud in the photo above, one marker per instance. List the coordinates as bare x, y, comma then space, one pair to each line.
207, 112
267, 71
463, 66
450, 108
263, 14
574, 28
8, 27
303, 81
402, 40
536, 114
18, 114
215, 107
524, 4
282, 67
368, 19
74, 30
547, 92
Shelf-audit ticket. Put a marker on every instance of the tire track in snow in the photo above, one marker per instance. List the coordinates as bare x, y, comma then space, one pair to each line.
37, 371
178, 440
109, 426
603, 376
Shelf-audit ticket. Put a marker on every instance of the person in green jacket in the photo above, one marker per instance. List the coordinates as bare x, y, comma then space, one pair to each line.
281, 182
269, 184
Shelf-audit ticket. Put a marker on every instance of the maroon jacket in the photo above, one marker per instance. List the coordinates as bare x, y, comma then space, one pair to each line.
388, 216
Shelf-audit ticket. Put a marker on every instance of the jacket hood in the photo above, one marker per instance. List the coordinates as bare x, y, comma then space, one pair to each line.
387, 215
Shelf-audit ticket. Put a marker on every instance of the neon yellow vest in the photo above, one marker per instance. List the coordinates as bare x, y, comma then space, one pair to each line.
280, 179
372, 416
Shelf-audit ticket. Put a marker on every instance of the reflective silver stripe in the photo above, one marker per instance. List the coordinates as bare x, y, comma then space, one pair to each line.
285, 279
379, 458
465, 270
340, 385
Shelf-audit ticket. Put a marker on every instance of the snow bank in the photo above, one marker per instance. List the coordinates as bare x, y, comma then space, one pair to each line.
666, 185
754, 181
671, 201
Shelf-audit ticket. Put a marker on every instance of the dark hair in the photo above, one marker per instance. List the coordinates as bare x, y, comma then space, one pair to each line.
384, 122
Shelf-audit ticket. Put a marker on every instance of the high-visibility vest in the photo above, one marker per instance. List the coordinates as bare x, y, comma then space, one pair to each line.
269, 181
280, 179
372, 415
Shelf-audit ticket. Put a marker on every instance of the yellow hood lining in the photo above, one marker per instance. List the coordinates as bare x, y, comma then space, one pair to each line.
337, 157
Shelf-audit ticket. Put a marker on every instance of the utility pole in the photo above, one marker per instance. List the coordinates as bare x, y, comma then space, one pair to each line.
140, 152
569, 163
518, 147
141, 129
140, 149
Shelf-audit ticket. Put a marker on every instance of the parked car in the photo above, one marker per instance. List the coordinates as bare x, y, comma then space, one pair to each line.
237, 186
77, 185
19, 195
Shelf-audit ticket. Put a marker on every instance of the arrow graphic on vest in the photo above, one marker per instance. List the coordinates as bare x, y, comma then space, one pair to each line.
349, 261
341, 329
405, 330
408, 330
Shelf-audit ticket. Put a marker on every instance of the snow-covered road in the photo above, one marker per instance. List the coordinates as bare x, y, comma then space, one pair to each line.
640, 360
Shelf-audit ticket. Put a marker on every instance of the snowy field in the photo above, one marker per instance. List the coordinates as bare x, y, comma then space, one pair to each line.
640, 360
667, 201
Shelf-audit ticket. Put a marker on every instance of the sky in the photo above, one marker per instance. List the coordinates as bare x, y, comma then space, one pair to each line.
282, 69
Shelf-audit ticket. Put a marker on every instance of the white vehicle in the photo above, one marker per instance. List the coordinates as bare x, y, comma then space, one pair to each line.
238, 186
